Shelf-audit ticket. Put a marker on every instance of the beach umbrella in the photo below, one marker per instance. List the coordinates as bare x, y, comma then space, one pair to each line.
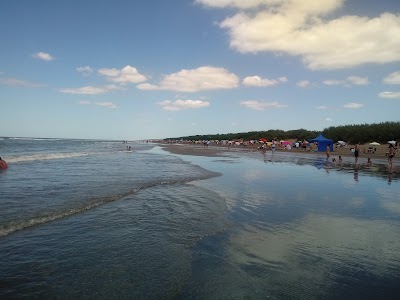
374, 144
341, 142
264, 140
392, 142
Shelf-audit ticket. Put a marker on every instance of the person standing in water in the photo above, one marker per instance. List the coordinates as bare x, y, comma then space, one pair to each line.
391, 154
356, 152
328, 150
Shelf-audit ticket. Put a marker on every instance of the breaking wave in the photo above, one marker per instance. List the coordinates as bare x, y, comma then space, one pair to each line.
15, 226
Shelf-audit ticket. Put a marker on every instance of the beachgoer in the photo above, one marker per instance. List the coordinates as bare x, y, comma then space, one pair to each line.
327, 152
356, 152
340, 158
369, 162
264, 148
3, 164
273, 145
391, 154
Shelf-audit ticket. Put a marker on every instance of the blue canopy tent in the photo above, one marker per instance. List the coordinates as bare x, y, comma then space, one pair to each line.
322, 143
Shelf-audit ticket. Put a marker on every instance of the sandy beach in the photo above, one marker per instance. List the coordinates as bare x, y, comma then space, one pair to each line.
214, 150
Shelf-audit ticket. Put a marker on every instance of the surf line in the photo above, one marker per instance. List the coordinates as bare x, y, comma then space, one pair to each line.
46, 218
13, 227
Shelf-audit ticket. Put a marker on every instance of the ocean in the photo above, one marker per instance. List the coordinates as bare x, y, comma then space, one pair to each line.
86, 219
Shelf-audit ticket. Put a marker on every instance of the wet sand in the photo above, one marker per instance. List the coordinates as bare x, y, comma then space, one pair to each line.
214, 150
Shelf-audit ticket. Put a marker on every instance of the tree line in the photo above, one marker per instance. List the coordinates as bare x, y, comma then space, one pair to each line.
352, 134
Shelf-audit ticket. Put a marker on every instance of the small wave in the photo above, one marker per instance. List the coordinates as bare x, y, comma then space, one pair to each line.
33, 139
47, 156
24, 224
20, 225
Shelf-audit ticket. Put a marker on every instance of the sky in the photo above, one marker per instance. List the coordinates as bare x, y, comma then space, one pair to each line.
133, 70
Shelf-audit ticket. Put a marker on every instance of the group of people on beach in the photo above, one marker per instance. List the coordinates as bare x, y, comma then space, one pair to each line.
392, 151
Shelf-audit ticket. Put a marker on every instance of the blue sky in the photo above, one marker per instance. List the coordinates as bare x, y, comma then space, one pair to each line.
154, 69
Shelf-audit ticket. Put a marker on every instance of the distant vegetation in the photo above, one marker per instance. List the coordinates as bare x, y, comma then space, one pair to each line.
352, 134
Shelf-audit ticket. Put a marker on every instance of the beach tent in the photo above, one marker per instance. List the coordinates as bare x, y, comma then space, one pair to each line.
322, 143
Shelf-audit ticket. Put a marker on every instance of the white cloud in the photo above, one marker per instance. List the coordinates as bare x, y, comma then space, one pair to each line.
355, 80
235, 3
127, 74
147, 87
85, 70
202, 78
257, 105
43, 56
349, 81
302, 28
183, 104
328, 120
106, 104
84, 102
390, 95
322, 107
303, 83
91, 90
20, 83
333, 82
393, 78
260, 82
353, 105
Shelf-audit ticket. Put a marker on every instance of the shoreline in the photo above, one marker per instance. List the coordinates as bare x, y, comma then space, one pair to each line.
220, 151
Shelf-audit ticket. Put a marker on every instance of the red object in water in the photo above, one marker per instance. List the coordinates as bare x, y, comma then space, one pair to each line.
3, 164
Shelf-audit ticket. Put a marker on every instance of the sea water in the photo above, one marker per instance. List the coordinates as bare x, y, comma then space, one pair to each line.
87, 219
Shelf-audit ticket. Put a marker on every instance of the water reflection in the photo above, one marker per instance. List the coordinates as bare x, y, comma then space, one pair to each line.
298, 233
377, 169
317, 254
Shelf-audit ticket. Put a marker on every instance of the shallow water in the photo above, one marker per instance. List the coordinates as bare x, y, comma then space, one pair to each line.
300, 231
151, 225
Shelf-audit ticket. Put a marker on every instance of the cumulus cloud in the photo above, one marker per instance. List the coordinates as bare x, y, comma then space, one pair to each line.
322, 107
328, 119
353, 105
259, 105
147, 87
260, 82
194, 80
235, 3
20, 83
90, 90
349, 81
106, 104
303, 83
85, 70
103, 104
333, 82
305, 28
183, 104
393, 78
390, 95
43, 56
355, 80
125, 75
